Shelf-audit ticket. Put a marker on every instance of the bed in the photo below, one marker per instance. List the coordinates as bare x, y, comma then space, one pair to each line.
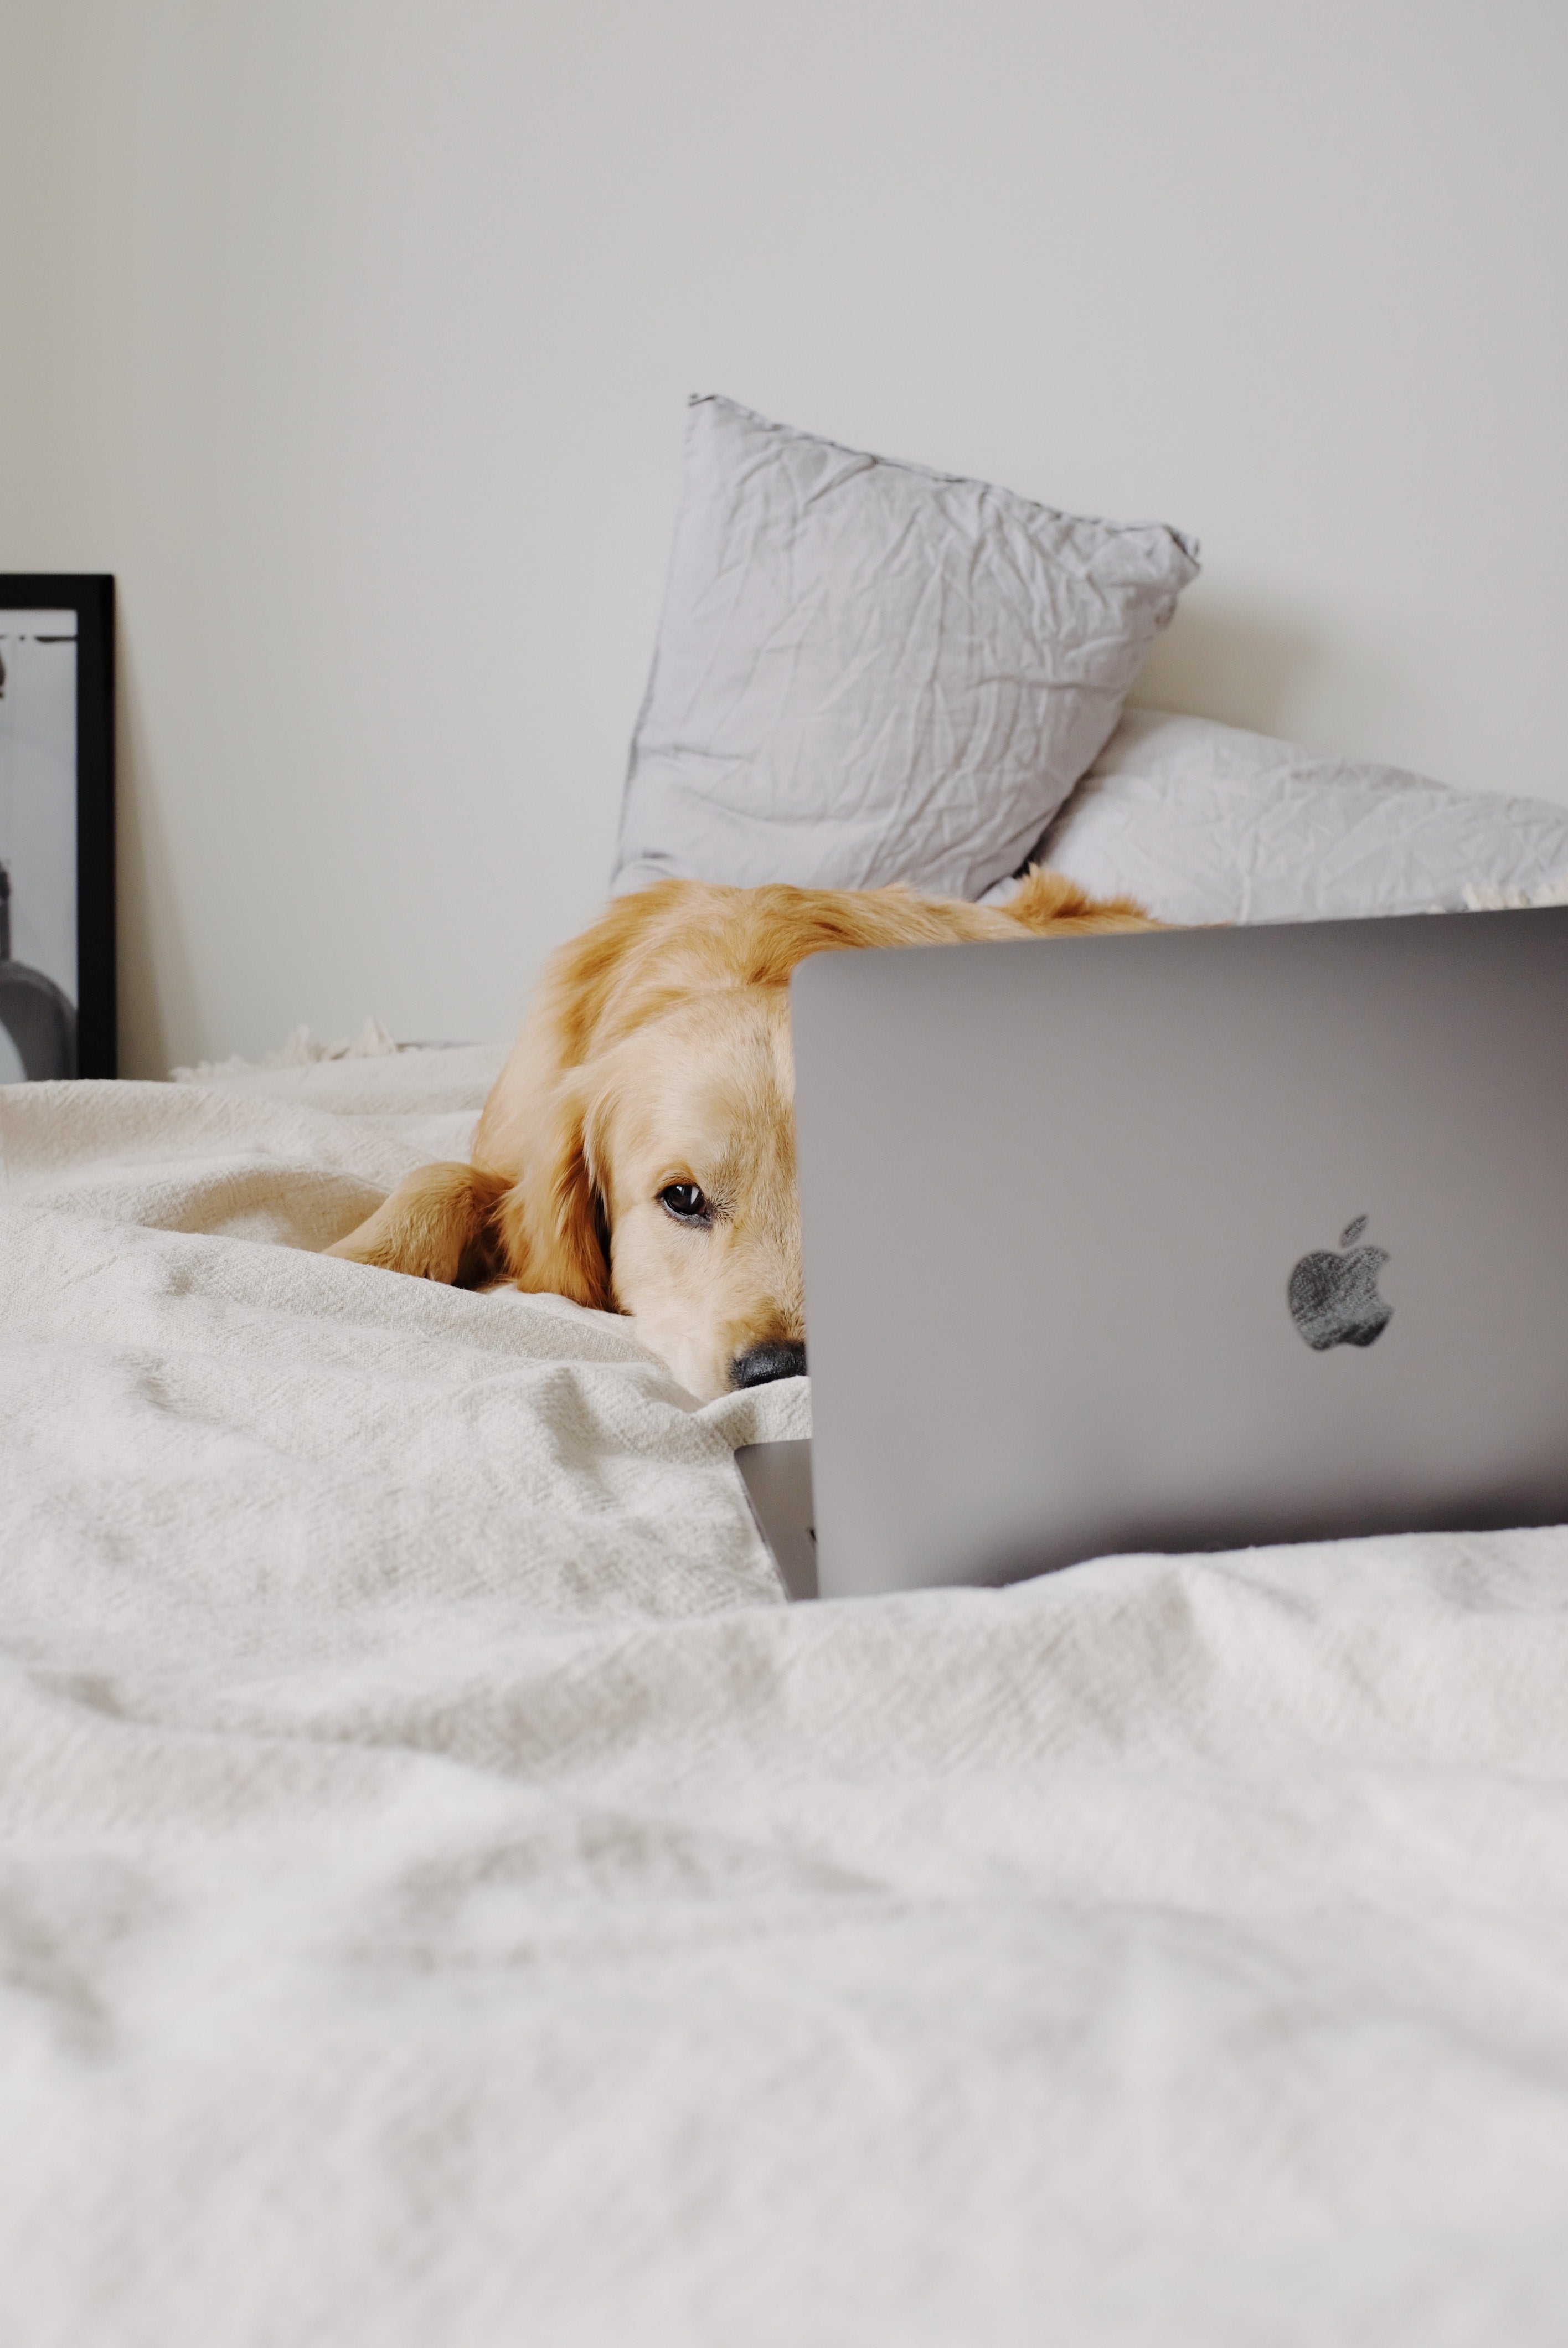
447, 1894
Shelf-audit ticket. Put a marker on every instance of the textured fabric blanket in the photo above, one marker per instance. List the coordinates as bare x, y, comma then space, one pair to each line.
448, 1896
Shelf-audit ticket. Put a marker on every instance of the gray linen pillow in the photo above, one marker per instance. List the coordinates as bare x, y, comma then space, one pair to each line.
866, 671
1204, 822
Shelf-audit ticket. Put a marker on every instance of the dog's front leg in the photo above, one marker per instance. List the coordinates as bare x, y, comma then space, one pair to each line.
438, 1224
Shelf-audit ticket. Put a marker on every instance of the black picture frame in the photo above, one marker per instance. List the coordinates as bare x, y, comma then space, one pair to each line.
91, 1022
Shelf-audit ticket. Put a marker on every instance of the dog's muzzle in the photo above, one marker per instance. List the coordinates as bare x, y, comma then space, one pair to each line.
759, 1365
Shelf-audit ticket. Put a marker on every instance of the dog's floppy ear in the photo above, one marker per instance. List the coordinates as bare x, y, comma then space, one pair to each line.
554, 1229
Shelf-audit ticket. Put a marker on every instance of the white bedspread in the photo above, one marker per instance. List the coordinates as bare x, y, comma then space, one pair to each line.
448, 1896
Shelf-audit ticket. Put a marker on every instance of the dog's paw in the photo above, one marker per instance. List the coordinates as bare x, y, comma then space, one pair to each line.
436, 1225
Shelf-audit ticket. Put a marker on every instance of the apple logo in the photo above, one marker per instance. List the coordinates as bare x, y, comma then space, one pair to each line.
1334, 1299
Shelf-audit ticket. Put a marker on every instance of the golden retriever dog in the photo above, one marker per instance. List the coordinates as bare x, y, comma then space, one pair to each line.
636, 1153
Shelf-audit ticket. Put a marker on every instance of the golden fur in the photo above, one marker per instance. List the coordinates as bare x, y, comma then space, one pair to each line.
657, 1055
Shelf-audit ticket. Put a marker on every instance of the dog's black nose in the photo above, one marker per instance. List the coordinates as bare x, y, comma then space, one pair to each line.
759, 1365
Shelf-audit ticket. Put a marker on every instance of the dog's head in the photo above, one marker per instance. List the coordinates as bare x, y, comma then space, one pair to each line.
663, 1185
691, 1139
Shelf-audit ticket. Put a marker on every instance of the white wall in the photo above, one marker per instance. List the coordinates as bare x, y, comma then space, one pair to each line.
353, 336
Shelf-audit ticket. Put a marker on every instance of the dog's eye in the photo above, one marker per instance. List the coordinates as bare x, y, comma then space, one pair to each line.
685, 1202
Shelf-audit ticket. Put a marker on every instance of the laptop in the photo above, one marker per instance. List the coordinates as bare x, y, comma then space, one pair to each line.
1181, 1241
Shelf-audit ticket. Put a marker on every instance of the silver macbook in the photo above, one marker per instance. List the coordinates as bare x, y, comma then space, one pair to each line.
1182, 1241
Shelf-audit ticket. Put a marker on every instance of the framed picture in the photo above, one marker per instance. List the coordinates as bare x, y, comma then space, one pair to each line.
57, 827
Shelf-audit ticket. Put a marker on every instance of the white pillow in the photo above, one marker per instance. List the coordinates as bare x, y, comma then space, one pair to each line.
1202, 822
866, 671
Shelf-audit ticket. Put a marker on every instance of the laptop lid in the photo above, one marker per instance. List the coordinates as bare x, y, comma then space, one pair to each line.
1183, 1240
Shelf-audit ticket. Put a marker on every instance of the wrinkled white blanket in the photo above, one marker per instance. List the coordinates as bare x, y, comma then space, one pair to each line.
447, 1896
